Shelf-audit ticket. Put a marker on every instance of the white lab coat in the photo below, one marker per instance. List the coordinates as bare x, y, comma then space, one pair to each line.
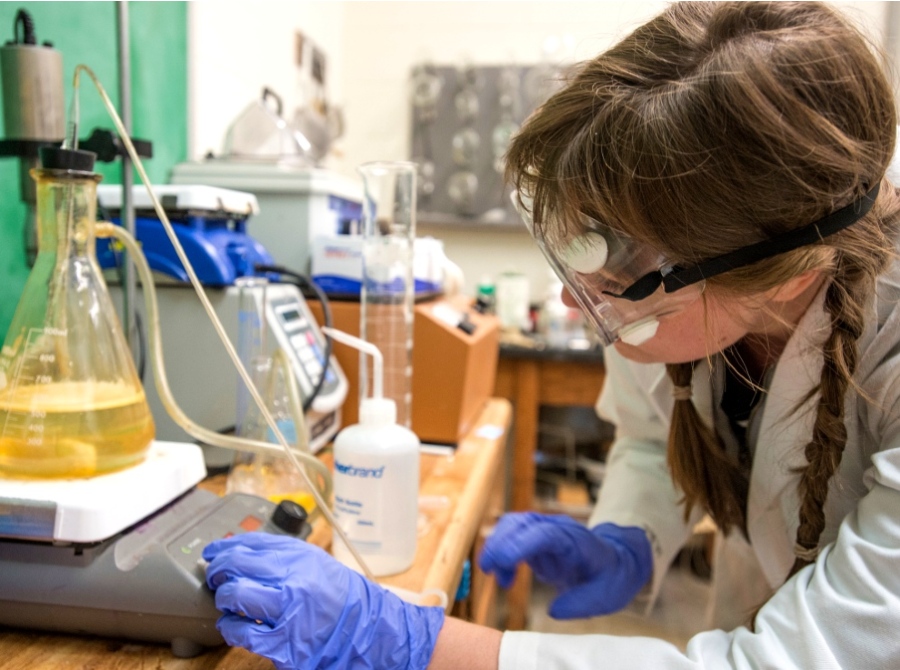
841, 612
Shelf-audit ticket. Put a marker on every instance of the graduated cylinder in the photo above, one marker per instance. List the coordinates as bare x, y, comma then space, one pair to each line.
388, 289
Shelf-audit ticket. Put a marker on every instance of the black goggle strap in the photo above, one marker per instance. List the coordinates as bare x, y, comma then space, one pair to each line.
679, 277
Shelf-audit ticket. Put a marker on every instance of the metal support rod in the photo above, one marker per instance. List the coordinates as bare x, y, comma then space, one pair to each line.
127, 214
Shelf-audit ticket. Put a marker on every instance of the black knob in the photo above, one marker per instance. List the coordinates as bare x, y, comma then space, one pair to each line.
290, 517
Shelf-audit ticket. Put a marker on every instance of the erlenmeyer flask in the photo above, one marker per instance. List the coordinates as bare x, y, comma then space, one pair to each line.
71, 403
271, 475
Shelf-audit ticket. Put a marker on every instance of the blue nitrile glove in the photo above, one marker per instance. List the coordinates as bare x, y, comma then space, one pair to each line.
595, 571
291, 602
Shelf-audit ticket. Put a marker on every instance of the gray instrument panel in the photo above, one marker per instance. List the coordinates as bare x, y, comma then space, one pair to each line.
147, 583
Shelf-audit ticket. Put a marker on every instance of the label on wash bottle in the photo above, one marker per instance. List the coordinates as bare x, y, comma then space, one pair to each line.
359, 506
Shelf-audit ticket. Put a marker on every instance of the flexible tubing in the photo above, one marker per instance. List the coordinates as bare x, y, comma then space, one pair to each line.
227, 441
193, 429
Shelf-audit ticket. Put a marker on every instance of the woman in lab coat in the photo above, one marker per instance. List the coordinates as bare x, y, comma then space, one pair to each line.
712, 192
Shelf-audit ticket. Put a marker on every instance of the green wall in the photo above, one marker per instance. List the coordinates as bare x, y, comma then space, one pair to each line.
86, 33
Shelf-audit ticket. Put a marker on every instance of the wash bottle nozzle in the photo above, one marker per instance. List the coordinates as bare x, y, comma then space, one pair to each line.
376, 410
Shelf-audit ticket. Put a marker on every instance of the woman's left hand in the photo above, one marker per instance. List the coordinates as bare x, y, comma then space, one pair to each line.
595, 571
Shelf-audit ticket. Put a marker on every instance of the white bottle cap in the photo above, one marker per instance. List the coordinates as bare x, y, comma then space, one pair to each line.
378, 412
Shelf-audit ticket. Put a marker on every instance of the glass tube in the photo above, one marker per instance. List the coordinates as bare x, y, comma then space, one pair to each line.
388, 290
251, 347
251, 340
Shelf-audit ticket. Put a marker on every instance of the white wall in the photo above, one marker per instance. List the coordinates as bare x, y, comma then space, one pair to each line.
385, 39
237, 47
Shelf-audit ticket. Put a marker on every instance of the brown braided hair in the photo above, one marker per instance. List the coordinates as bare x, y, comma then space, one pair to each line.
715, 126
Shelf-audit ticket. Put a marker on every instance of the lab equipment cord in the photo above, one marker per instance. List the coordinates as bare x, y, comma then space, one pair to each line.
305, 284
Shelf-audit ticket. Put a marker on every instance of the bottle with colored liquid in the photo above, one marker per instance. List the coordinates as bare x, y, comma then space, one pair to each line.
71, 403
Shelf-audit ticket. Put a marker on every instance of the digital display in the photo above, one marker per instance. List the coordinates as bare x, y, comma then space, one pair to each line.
290, 315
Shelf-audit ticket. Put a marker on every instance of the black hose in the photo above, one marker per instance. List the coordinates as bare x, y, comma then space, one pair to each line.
306, 285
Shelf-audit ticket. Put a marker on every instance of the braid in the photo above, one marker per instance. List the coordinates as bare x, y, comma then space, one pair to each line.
700, 466
844, 301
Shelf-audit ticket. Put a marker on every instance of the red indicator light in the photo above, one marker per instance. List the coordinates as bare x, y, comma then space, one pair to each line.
250, 523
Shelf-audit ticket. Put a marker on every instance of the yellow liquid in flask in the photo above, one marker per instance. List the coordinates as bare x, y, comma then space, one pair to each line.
50, 431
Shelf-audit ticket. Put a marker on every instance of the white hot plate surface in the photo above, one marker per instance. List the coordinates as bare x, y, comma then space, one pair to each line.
96, 508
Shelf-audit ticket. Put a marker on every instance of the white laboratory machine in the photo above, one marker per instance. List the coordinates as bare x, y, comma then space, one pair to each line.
203, 379
296, 203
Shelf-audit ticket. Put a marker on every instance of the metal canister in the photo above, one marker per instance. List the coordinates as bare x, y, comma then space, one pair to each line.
33, 109
33, 99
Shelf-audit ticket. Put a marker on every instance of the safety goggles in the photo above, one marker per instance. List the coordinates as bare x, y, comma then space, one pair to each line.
624, 286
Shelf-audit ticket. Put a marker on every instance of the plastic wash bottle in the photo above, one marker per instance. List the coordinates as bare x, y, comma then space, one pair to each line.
376, 480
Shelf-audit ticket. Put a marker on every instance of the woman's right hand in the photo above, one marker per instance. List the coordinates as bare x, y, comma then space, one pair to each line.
291, 602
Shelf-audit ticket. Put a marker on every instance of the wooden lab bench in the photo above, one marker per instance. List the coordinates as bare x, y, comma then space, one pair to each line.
462, 489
